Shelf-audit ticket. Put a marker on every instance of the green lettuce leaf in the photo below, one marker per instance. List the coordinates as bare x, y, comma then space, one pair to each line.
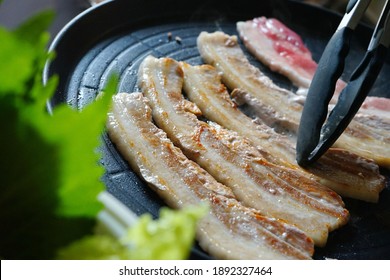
94, 247
170, 237
50, 172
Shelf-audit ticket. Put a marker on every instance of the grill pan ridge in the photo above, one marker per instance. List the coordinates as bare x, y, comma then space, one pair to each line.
115, 36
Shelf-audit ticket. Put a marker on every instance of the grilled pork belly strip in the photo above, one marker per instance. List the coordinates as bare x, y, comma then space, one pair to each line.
230, 230
277, 107
347, 174
275, 191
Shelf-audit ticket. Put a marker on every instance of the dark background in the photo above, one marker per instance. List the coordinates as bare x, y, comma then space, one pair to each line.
13, 12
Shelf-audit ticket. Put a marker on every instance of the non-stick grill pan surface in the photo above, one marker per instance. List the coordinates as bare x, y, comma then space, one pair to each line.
114, 37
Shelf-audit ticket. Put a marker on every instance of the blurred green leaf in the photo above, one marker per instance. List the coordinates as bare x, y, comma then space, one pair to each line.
94, 247
170, 237
50, 171
16, 64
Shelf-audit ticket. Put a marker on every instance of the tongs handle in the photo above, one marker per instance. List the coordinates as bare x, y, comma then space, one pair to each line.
321, 90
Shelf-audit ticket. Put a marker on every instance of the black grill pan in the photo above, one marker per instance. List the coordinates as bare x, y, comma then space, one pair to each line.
114, 37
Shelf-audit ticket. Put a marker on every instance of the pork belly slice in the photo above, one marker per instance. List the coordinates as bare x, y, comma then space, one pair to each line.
283, 51
280, 48
276, 191
277, 107
230, 230
346, 173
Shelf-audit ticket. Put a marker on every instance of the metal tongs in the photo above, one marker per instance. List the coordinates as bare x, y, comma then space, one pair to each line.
314, 138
